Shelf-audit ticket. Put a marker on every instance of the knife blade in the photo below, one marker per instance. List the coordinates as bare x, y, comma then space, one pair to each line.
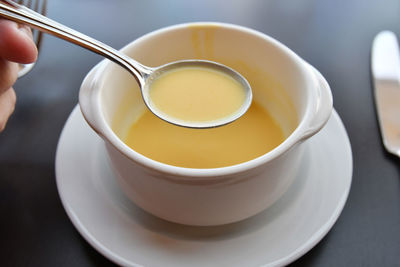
385, 69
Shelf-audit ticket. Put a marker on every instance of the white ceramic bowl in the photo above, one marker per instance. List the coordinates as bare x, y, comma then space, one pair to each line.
298, 97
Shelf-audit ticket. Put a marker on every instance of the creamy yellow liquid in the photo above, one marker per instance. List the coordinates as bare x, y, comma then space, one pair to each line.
251, 136
197, 94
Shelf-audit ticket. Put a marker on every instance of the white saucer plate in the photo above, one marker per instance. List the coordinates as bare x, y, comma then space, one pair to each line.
128, 236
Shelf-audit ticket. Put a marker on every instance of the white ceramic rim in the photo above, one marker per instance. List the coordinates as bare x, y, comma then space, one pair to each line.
94, 79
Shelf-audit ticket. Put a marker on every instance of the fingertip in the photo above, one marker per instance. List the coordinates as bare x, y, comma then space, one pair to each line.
30, 50
16, 43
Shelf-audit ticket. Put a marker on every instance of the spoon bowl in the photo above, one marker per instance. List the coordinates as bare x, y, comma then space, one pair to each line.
157, 72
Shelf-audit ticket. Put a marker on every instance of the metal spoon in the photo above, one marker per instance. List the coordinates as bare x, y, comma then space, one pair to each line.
143, 74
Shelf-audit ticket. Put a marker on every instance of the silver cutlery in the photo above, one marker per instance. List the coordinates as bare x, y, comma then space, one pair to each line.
385, 68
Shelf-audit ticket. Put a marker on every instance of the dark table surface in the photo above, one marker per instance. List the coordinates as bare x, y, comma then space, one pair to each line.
334, 36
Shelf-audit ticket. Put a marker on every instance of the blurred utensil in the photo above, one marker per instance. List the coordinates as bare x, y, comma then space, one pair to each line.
40, 7
385, 67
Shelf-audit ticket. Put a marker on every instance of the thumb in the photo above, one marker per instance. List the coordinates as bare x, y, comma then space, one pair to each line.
16, 43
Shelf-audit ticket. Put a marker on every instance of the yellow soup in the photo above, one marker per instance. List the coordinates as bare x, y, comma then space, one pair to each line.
197, 94
251, 136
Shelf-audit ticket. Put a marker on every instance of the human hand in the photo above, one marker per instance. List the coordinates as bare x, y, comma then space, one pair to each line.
16, 46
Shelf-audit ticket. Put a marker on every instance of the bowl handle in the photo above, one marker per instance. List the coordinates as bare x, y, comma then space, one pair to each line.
323, 109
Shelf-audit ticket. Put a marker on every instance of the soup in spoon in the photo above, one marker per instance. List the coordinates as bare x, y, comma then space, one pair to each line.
197, 94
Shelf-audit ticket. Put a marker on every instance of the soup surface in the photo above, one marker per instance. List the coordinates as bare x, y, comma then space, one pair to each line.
251, 136
197, 94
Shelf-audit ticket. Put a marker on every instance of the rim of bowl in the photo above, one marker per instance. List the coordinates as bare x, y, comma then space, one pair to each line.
211, 173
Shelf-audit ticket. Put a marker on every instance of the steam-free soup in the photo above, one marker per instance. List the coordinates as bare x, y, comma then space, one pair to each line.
251, 136
197, 94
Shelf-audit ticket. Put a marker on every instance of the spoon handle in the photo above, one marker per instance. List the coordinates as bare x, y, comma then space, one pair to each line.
24, 15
